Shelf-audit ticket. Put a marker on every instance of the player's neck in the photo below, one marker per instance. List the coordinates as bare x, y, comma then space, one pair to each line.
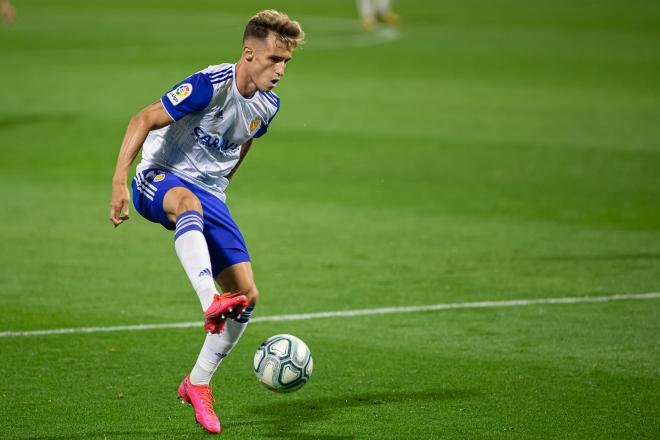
246, 87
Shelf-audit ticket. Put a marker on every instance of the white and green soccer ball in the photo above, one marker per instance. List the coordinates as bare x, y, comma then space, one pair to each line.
283, 363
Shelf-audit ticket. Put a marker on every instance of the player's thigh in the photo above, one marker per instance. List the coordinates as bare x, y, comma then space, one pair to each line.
150, 187
239, 278
178, 200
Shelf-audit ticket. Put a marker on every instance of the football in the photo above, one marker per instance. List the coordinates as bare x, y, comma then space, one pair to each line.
283, 363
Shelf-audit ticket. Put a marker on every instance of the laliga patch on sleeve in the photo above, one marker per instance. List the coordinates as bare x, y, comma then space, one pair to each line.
177, 95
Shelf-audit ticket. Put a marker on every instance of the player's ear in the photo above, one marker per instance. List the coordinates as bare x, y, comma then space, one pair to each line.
248, 53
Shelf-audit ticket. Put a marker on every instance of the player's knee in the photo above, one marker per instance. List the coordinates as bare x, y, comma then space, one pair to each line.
188, 203
179, 200
252, 295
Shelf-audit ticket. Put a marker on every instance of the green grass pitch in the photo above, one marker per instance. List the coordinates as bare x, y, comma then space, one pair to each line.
488, 151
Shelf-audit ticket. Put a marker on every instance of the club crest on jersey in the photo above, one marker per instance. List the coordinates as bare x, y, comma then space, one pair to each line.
180, 93
159, 178
256, 122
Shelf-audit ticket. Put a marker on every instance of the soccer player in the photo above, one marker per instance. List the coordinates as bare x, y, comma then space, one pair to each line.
193, 140
373, 11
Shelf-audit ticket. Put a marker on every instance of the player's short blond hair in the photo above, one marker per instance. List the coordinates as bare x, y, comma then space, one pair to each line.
270, 20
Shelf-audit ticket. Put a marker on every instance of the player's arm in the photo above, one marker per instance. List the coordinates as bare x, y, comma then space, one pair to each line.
151, 118
244, 151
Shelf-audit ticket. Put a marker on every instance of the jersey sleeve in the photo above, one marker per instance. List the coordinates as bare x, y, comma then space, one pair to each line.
191, 95
264, 127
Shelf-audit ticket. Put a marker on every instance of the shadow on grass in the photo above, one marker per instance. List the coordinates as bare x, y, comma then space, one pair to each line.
37, 118
286, 418
109, 434
608, 257
289, 416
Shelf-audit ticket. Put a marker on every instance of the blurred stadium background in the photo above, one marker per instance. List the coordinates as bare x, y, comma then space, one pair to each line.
483, 151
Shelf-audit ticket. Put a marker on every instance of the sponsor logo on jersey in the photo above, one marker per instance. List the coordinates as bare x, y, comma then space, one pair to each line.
180, 93
254, 124
159, 178
215, 142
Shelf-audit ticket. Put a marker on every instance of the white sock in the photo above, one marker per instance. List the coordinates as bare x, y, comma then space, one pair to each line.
383, 6
193, 252
366, 8
217, 346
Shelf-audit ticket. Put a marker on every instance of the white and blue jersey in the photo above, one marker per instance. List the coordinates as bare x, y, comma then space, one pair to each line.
211, 122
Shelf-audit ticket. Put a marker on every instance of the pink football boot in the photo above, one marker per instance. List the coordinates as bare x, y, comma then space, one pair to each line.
202, 400
227, 305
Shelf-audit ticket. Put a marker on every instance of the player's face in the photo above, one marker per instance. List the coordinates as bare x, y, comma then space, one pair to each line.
269, 62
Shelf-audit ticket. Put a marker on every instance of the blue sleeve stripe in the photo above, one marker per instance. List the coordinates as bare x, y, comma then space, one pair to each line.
275, 97
219, 73
272, 99
268, 98
218, 79
224, 70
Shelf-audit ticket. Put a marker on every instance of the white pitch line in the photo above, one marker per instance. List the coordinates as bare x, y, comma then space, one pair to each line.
347, 313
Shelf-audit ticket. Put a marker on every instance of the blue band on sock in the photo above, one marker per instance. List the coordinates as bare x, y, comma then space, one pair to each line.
245, 316
188, 221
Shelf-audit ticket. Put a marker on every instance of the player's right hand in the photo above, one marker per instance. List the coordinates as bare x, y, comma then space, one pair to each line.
119, 204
